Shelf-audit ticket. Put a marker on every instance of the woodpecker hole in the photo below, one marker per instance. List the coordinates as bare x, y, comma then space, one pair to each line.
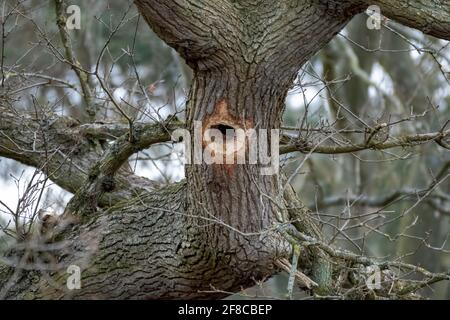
226, 130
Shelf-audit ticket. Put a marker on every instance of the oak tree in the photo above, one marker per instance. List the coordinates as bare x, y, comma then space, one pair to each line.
224, 227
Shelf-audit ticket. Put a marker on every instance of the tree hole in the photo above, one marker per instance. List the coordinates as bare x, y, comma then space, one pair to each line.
226, 130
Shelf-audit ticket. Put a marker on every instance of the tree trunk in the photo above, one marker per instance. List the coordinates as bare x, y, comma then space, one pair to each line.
219, 231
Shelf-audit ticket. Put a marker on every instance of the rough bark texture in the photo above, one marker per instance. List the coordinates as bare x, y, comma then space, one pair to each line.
430, 16
210, 232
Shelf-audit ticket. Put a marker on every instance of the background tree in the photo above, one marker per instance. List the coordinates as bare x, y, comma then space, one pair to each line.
91, 118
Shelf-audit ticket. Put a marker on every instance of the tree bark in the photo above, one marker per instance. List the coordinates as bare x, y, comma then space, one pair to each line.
219, 231
431, 17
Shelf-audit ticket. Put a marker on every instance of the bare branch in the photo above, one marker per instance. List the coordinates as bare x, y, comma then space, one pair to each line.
395, 142
83, 77
430, 17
